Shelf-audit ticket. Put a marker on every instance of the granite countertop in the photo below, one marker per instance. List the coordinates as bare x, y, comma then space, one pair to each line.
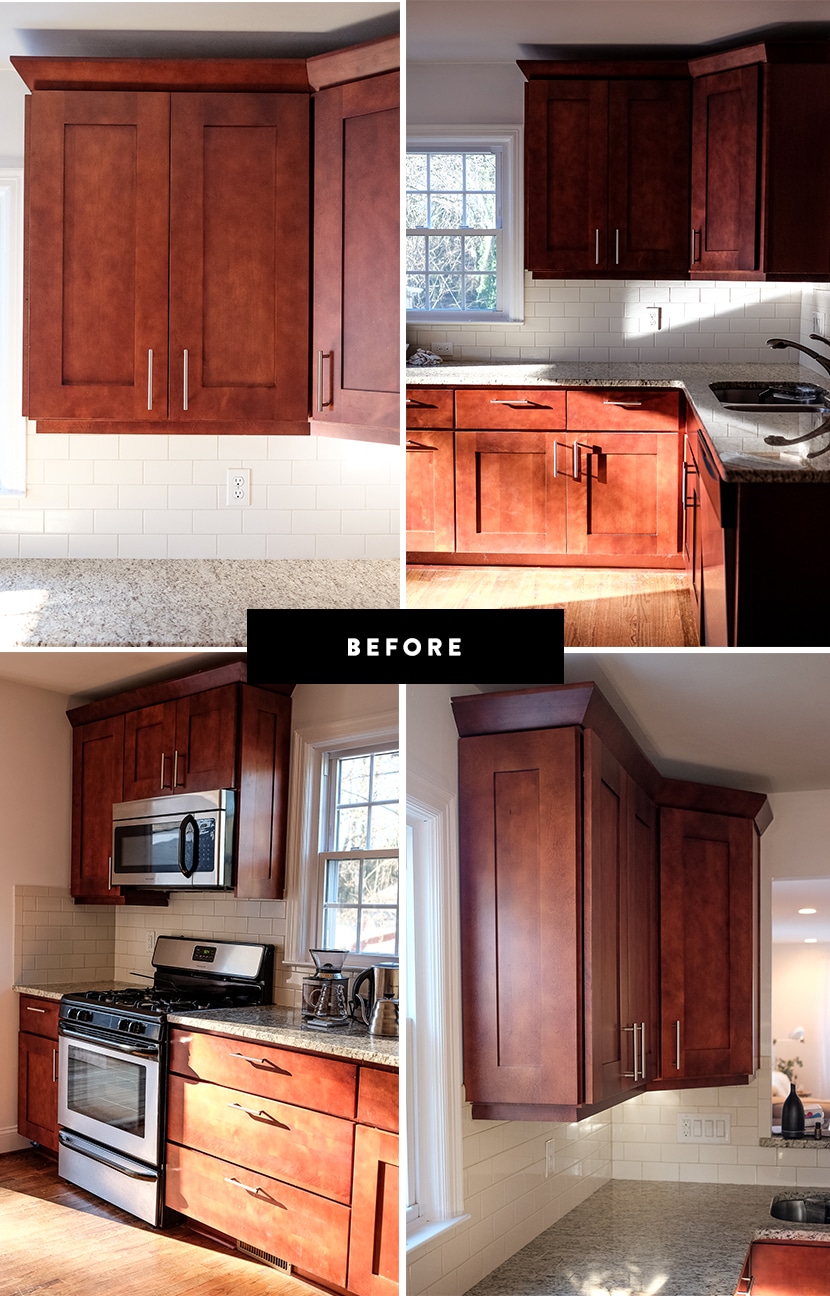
638, 1237
736, 436
268, 1025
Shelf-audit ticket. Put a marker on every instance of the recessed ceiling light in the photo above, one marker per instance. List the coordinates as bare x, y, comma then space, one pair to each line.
806, 911
811, 940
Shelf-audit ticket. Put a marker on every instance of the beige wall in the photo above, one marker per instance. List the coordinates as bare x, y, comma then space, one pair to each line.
35, 770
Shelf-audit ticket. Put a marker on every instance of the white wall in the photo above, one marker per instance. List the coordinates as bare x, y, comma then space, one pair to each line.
35, 772
101, 496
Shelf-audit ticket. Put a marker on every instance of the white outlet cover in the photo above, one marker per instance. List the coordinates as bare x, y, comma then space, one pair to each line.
819, 322
238, 487
550, 1158
704, 1127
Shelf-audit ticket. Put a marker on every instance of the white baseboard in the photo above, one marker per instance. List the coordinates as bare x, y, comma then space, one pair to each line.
11, 1141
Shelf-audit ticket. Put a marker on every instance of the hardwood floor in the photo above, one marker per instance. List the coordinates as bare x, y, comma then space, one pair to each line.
604, 607
59, 1240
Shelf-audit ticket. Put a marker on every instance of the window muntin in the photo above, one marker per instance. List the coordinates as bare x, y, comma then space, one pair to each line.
453, 216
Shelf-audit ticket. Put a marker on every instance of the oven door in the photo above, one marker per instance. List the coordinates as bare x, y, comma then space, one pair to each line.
109, 1091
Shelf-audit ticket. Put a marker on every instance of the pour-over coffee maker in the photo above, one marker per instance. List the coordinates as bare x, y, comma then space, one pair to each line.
326, 993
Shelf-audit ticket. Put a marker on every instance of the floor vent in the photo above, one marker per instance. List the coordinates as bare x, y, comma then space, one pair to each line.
265, 1257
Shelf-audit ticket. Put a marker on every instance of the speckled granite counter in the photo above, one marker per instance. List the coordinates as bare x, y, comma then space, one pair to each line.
275, 1025
736, 436
57, 989
637, 1238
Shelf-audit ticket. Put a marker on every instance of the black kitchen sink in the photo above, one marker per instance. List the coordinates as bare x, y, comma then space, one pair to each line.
812, 1208
773, 398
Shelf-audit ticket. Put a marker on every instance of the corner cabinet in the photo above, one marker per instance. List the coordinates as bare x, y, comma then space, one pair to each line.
568, 904
196, 733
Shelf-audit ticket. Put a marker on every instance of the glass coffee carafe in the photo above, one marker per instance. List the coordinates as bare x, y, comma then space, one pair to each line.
326, 993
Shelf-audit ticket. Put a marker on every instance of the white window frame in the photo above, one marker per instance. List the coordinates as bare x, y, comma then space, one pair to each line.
434, 1070
507, 142
12, 422
305, 842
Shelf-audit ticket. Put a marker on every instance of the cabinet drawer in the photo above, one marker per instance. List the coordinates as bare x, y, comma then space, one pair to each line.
303, 1147
309, 1231
377, 1099
320, 1083
429, 407
618, 409
501, 407
39, 1016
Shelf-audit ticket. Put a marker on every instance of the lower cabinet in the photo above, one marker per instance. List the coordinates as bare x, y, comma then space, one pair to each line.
785, 1268
430, 491
289, 1153
37, 1071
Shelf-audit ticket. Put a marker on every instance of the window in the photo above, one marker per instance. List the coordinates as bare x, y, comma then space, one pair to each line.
12, 424
463, 258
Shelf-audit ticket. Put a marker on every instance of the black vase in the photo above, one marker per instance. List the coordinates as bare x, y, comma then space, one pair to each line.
792, 1116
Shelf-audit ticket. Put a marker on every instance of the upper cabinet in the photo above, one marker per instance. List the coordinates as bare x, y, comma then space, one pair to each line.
606, 169
356, 271
758, 120
168, 232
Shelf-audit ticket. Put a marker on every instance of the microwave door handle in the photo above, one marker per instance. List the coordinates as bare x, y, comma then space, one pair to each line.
186, 822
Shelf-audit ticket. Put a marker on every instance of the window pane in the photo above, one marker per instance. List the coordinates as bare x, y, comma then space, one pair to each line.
385, 777
352, 828
342, 883
380, 882
446, 211
445, 292
480, 252
481, 211
378, 931
481, 171
416, 211
416, 292
445, 252
384, 827
416, 170
480, 292
353, 782
446, 170
339, 928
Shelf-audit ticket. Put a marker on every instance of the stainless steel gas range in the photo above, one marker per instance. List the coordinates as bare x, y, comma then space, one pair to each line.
113, 1064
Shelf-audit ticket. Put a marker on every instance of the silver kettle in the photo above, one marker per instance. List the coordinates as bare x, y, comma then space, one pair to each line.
375, 999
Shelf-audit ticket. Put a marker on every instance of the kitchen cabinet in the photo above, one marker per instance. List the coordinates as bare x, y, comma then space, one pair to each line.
320, 1192
785, 1268
754, 113
606, 168
166, 250
37, 1071
196, 733
690, 503
356, 290
430, 491
561, 930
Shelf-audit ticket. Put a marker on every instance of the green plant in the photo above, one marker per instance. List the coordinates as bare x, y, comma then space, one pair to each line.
788, 1067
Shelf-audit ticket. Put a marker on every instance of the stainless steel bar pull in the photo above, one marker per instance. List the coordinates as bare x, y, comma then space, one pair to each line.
596, 246
633, 1075
579, 445
677, 1046
184, 383
321, 404
616, 247
150, 379
642, 1050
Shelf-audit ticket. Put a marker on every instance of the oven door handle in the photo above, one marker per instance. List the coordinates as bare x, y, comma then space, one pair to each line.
186, 822
82, 1146
71, 1032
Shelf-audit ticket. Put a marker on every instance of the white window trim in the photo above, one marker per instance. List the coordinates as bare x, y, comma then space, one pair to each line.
304, 844
467, 138
12, 422
432, 814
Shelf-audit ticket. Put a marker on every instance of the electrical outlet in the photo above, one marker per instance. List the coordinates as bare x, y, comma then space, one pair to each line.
654, 317
149, 941
550, 1158
442, 348
239, 487
699, 1128
819, 322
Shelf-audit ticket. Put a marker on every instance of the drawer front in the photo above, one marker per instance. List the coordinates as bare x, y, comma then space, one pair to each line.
619, 409
429, 407
377, 1098
39, 1016
321, 1083
303, 1147
527, 409
300, 1227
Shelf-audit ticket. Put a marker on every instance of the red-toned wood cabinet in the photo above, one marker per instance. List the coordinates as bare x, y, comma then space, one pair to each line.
197, 733
37, 1071
373, 1240
430, 491
785, 1268
606, 169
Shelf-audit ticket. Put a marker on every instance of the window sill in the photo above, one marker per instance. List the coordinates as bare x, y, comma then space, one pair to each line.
427, 1231
461, 317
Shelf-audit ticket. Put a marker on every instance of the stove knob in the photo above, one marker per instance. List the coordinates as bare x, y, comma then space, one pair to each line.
124, 1024
84, 1014
137, 1028
72, 1012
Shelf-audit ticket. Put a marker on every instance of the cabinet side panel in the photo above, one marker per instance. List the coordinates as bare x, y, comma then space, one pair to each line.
706, 946
265, 734
517, 813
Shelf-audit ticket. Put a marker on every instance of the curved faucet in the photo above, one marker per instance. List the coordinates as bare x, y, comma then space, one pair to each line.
778, 343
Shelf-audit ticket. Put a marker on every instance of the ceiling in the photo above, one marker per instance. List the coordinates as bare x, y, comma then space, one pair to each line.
759, 721
498, 32
193, 30
84, 675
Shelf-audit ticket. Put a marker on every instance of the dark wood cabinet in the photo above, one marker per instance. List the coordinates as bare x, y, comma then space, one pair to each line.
430, 491
197, 733
724, 172
510, 497
37, 1071
690, 504
606, 169
355, 342
785, 1268
574, 912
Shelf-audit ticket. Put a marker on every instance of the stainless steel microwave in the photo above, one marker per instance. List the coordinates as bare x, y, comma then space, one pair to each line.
174, 841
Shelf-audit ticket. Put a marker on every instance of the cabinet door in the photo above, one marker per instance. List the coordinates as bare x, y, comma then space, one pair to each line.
37, 1092
623, 493
641, 926
692, 547
566, 176
774, 1268
97, 785
648, 176
430, 492
239, 217
96, 253
510, 492
264, 751
356, 344
149, 751
373, 1236
724, 171
709, 869
205, 749
520, 833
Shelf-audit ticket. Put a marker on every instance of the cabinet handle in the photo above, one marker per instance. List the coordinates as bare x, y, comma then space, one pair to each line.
616, 247
580, 445
321, 404
515, 401
596, 246
409, 399
633, 1075
161, 776
677, 1046
624, 404
555, 448
30, 1009
416, 445
237, 1183
695, 235
642, 1050
54, 1066
272, 1066
259, 1115
184, 382
150, 380
176, 769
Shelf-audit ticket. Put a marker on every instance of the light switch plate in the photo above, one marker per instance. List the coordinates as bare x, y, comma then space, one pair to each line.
698, 1127
441, 348
819, 322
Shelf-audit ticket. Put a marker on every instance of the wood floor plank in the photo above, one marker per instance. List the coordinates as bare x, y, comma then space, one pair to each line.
57, 1240
604, 607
